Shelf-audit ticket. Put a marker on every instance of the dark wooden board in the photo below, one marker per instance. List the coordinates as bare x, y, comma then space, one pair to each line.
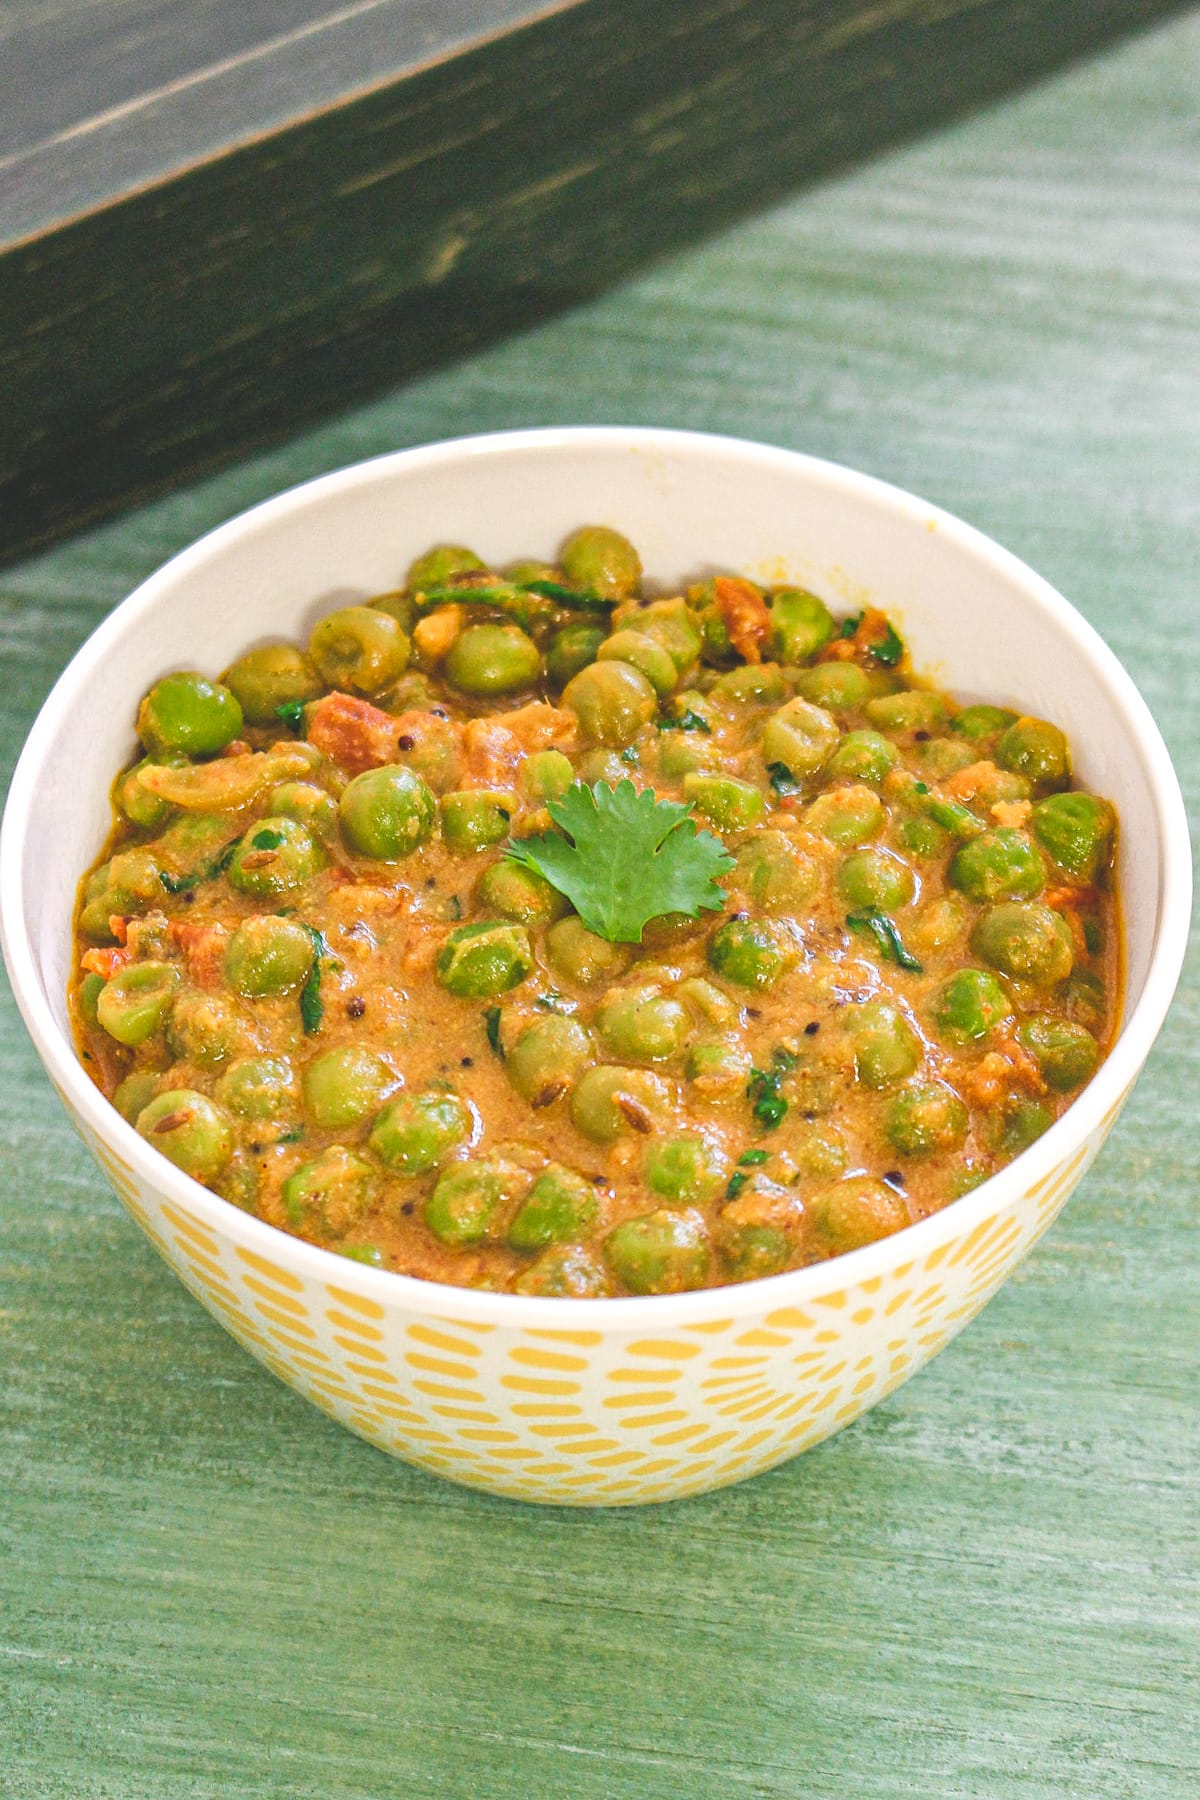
252, 243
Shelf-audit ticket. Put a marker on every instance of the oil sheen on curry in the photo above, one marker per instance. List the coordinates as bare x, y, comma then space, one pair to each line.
527, 930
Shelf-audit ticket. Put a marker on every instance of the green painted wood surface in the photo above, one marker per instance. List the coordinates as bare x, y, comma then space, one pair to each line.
989, 1588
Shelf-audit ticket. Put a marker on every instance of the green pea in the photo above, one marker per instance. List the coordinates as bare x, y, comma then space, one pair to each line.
1066, 1053
343, 1087
603, 765
463, 1206
601, 561
856, 1211
862, 756
753, 684
774, 873
440, 565
480, 961
531, 568
129, 883
560, 1206
415, 1132
1025, 940
752, 953
715, 646
387, 813
681, 753
546, 1059
925, 1119
800, 625
750, 1248
399, 606
519, 893
268, 955
207, 1029
139, 805
1076, 832
269, 677
671, 624
834, 686
999, 865
135, 1093
884, 1045
706, 999
970, 1005
260, 1087
845, 815
90, 989
274, 857
134, 1002
305, 802
190, 714
1085, 1000
800, 736
651, 659
331, 1193
642, 1025
610, 1102
914, 709
941, 757
922, 837
573, 649
685, 1171
430, 748
819, 1150
1027, 1122
731, 804
191, 843
718, 1072
1036, 749
565, 1272
977, 722
370, 1254
663, 1252
546, 774
492, 659
190, 1130
876, 878
579, 955
612, 701
474, 819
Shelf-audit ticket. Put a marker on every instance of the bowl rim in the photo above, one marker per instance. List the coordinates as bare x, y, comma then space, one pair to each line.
794, 1288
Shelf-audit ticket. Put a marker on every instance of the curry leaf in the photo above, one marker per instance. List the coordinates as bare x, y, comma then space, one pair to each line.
625, 858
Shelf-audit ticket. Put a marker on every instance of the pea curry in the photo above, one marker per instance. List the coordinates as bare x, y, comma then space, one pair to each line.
528, 931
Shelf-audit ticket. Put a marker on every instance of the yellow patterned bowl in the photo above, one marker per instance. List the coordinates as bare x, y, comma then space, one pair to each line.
595, 1401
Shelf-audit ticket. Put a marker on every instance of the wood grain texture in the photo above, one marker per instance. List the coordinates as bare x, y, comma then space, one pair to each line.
989, 1589
164, 305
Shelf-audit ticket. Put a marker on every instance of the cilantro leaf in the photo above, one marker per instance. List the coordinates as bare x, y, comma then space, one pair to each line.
782, 780
762, 1090
291, 712
626, 858
889, 648
688, 720
887, 935
312, 1004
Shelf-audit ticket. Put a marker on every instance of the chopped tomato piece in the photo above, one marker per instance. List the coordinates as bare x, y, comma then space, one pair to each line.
746, 615
352, 732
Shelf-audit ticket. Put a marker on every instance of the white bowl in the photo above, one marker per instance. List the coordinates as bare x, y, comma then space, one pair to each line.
596, 1401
